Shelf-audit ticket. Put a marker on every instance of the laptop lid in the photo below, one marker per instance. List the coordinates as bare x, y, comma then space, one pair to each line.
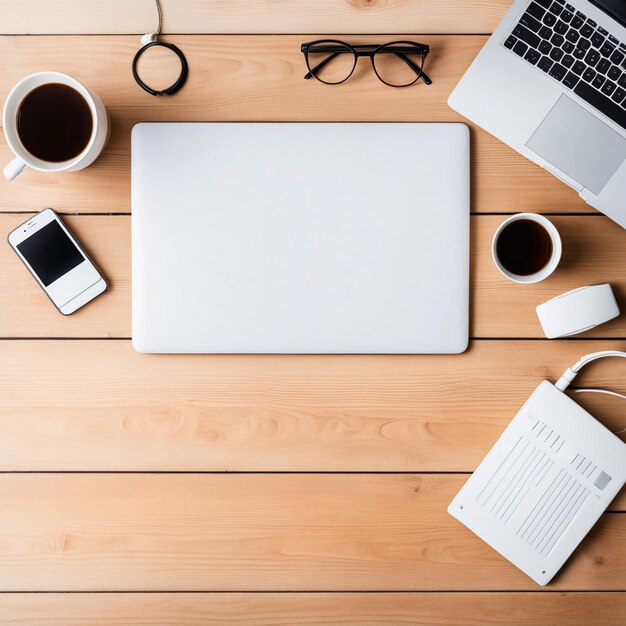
300, 237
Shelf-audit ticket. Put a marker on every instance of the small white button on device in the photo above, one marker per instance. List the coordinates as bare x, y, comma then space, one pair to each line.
577, 311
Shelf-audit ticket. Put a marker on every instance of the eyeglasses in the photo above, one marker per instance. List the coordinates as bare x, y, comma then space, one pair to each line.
397, 63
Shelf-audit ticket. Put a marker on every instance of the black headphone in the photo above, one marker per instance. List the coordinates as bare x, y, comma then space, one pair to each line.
148, 41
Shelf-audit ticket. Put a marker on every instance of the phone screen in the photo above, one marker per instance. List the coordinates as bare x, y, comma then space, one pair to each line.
50, 253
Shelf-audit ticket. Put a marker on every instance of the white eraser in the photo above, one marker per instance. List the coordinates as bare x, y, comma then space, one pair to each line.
577, 311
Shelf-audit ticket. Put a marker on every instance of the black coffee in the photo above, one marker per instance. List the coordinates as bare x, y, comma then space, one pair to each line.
54, 122
524, 247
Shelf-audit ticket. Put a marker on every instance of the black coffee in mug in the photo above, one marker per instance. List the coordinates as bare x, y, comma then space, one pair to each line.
54, 122
524, 247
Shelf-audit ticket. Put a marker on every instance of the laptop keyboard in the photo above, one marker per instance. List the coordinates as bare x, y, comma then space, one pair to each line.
571, 48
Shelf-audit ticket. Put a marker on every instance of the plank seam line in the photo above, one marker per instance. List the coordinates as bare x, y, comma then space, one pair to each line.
251, 34
472, 213
313, 591
245, 472
472, 338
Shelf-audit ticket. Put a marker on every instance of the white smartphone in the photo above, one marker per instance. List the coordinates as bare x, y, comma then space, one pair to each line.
56, 260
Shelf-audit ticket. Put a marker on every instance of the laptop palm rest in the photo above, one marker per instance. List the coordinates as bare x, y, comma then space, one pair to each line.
579, 144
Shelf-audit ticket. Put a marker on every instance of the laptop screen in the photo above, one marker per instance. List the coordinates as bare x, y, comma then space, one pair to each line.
615, 8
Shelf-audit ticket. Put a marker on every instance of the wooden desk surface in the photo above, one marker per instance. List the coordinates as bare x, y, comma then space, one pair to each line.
323, 480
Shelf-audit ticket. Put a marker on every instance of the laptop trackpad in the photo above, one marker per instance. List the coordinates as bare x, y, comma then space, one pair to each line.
579, 144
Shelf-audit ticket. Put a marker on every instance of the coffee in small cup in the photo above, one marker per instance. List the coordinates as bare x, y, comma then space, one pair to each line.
526, 248
54, 122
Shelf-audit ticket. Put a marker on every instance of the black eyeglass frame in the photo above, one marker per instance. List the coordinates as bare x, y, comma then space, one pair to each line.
366, 50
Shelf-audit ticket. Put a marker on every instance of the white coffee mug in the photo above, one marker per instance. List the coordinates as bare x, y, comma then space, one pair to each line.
23, 158
551, 265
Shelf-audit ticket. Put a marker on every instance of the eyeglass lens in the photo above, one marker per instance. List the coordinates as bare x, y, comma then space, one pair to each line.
398, 64
331, 62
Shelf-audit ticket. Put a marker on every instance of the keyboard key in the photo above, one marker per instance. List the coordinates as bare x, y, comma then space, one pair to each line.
556, 8
561, 27
608, 88
545, 64
598, 81
577, 22
603, 66
615, 40
591, 23
569, 7
530, 22
550, 19
535, 10
607, 49
579, 68
614, 73
510, 42
520, 48
589, 74
544, 3
592, 58
570, 80
567, 61
572, 35
568, 47
602, 31
532, 56
586, 31
617, 57
545, 32
556, 54
557, 39
557, 71
622, 81
560, 1
521, 32
567, 16
619, 95
578, 53
583, 43
545, 47
597, 40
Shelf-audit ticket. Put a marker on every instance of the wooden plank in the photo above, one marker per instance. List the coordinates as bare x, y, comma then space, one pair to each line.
242, 16
263, 532
293, 609
98, 405
253, 78
595, 251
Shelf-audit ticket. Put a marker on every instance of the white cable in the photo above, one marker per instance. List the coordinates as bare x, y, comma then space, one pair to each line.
158, 6
152, 37
606, 391
571, 372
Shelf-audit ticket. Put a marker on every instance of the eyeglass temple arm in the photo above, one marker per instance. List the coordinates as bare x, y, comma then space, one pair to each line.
416, 69
321, 64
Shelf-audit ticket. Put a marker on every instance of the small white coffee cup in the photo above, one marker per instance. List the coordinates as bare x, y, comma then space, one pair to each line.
551, 265
23, 158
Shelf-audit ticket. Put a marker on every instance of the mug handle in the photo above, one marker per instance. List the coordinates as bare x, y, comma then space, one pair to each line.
14, 168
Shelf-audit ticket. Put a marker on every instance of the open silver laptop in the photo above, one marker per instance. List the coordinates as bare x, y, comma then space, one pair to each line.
551, 83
